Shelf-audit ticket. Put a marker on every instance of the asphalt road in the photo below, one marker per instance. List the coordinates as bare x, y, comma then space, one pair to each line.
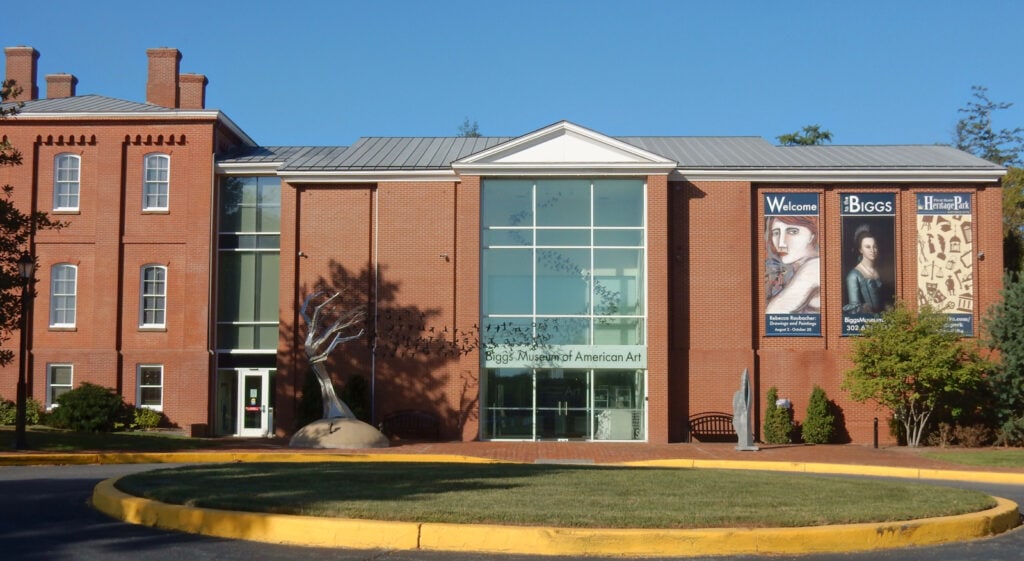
45, 516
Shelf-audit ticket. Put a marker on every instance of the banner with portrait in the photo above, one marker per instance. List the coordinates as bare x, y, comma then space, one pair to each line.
792, 266
868, 257
945, 257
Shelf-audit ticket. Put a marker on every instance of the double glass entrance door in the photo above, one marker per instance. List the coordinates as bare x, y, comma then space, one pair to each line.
563, 404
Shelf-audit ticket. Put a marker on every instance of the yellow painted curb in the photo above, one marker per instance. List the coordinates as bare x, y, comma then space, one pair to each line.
262, 527
718, 541
368, 534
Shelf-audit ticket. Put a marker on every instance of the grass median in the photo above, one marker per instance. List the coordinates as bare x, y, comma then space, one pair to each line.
550, 495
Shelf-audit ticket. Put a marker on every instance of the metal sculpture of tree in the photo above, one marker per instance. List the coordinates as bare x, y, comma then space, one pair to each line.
321, 339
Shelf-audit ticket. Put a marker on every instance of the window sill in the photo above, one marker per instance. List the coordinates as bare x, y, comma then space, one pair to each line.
153, 328
66, 211
63, 328
156, 211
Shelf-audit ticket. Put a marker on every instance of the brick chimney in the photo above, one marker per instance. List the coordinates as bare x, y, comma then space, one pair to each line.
192, 91
60, 85
22, 63
162, 85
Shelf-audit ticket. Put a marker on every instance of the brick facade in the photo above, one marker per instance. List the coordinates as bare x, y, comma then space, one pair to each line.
410, 249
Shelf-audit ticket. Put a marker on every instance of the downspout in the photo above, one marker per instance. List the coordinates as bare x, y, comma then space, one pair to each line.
376, 302
211, 287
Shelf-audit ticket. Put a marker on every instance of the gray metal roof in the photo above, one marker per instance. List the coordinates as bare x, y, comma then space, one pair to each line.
437, 153
394, 153
757, 153
88, 104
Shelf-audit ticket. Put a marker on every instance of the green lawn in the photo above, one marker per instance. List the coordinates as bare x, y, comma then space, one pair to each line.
986, 457
46, 439
557, 495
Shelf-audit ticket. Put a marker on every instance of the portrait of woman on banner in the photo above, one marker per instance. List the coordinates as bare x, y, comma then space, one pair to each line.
792, 267
866, 291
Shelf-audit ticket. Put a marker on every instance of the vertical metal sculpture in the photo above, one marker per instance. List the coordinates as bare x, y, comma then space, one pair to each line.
321, 340
741, 409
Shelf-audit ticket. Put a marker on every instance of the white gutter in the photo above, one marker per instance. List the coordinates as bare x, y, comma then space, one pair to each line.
842, 176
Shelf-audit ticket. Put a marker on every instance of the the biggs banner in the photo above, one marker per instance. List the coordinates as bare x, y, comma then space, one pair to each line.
868, 258
792, 266
945, 257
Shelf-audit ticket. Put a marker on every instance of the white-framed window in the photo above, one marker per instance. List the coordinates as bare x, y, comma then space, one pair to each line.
151, 386
153, 296
63, 294
156, 183
59, 379
66, 184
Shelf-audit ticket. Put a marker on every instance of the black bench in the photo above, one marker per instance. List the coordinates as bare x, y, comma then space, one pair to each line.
713, 426
411, 425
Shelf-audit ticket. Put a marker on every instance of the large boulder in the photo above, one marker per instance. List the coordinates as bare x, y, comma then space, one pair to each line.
338, 433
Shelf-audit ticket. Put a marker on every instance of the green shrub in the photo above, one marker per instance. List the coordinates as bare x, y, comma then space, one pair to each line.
819, 424
91, 408
9, 410
778, 421
146, 419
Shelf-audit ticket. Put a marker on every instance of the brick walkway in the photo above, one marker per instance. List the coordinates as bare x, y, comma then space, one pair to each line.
602, 453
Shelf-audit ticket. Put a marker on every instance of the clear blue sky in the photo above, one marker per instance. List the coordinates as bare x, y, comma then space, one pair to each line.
327, 72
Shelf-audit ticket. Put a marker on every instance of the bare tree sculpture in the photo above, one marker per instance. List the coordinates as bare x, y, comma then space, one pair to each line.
322, 333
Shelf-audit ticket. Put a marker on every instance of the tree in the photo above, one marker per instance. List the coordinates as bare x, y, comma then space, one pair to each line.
974, 133
778, 421
911, 363
469, 129
1005, 333
16, 229
820, 423
811, 135
1013, 219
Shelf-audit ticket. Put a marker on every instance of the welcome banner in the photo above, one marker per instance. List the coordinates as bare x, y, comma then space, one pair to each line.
792, 266
945, 257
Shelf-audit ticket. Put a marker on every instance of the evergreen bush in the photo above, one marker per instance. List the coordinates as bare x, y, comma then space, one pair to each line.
91, 408
146, 419
819, 424
9, 410
778, 421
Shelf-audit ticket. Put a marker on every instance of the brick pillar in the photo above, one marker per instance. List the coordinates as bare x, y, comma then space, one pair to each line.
162, 83
192, 91
22, 63
60, 85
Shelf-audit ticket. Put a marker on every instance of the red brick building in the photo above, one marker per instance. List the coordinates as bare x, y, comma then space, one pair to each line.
563, 284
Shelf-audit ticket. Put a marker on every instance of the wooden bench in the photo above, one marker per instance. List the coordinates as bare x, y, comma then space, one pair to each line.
712, 426
411, 424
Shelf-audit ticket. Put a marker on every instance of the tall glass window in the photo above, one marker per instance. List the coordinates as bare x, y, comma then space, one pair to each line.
564, 309
66, 177
563, 261
249, 240
156, 185
153, 304
63, 295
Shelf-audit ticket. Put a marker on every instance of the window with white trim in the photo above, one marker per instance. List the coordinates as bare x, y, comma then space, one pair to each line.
58, 382
66, 176
153, 296
63, 294
151, 386
156, 183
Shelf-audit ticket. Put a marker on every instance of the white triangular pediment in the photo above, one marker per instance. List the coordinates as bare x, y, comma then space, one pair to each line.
564, 148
